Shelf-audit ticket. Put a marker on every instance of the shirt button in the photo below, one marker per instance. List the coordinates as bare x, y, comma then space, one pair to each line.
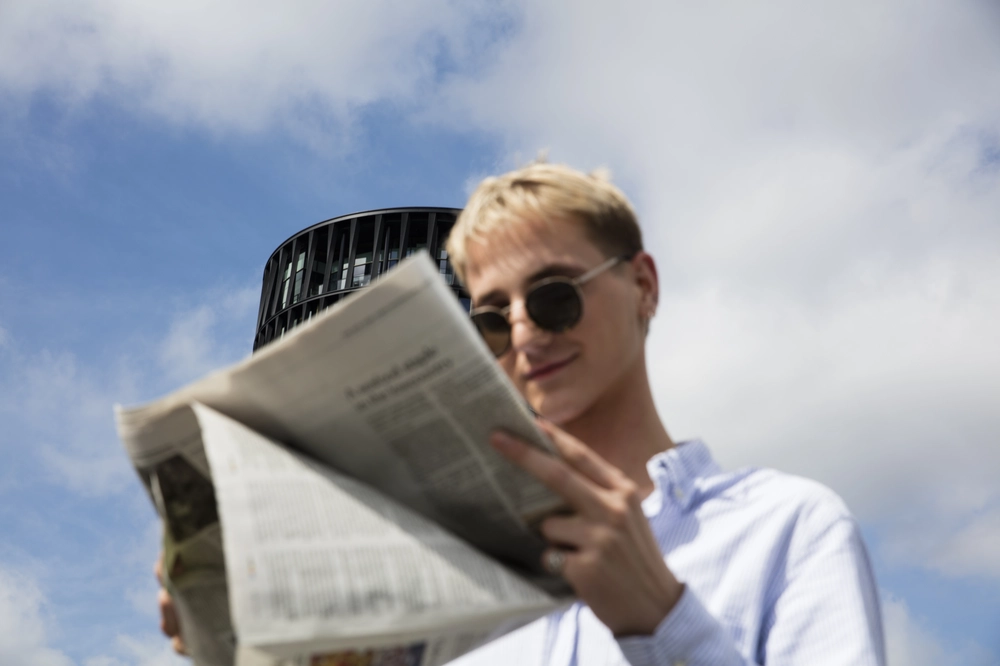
679, 494
680, 662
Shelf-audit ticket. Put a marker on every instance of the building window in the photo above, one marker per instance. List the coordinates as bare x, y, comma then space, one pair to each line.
445, 267
319, 263
388, 255
286, 280
339, 255
300, 272
362, 270
417, 233
363, 252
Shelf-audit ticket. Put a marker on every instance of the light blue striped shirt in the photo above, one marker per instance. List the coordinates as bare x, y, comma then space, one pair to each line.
775, 573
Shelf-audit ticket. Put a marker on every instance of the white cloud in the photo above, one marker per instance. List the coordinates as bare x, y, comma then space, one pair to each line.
238, 66
974, 549
210, 334
971, 549
63, 406
910, 643
26, 633
64, 412
24, 623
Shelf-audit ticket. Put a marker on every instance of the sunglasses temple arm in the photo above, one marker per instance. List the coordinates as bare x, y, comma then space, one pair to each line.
597, 270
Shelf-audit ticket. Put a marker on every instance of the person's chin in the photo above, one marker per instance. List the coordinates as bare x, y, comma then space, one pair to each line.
558, 407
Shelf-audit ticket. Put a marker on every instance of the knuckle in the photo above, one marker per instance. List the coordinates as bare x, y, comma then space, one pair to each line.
618, 512
601, 540
574, 456
630, 493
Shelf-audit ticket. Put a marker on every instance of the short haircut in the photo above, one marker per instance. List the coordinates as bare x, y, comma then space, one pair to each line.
547, 192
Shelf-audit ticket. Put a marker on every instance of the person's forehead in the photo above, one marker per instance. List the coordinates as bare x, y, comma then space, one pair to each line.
505, 256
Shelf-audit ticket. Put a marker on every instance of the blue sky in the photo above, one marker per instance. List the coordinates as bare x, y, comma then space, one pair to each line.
819, 187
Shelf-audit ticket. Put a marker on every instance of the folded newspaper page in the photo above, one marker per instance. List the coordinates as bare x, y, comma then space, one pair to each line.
334, 500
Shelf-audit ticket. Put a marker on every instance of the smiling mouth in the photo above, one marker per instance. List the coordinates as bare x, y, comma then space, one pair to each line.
547, 370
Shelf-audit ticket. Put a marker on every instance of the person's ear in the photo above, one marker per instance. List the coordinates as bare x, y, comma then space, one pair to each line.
647, 285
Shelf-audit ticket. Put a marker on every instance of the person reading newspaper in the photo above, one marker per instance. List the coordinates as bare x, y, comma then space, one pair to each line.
673, 560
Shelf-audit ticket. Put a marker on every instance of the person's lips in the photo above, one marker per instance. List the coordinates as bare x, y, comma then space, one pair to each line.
546, 370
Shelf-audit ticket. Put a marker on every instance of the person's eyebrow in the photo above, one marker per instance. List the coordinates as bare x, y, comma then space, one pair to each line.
497, 297
555, 270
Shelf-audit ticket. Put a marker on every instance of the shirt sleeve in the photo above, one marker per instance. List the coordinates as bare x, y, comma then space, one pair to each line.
828, 609
824, 612
687, 636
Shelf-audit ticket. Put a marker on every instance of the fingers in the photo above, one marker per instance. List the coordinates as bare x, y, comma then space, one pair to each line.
557, 475
178, 644
169, 622
571, 532
590, 484
581, 457
168, 614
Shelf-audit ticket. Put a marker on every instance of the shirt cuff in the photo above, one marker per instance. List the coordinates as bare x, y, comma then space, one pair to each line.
687, 636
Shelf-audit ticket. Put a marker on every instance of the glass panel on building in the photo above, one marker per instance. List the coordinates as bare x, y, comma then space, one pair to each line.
282, 324
364, 252
300, 270
286, 280
389, 252
417, 234
444, 266
340, 254
319, 262
271, 285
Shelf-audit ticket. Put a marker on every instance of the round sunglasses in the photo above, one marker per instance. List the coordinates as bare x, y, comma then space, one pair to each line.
554, 304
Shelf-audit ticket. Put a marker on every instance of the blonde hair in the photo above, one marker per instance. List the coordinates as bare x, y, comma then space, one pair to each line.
545, 192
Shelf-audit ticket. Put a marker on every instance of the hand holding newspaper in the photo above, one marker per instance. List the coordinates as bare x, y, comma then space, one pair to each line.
333, 500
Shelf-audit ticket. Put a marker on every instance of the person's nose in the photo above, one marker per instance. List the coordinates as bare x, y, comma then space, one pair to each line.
525, 335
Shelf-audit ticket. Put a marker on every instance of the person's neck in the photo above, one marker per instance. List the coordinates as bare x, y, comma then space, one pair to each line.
624, 428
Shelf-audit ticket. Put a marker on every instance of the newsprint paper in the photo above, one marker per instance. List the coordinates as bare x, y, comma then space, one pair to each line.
333, 500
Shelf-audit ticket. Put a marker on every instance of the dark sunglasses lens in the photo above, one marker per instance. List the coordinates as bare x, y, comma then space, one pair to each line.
555, 306
495, 330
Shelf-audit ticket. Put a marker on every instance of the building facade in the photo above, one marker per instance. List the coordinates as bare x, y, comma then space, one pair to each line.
319, 265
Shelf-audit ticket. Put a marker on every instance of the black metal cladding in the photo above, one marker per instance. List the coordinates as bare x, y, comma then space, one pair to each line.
318, 266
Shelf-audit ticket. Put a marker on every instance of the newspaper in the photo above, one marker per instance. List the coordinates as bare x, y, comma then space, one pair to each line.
333, 499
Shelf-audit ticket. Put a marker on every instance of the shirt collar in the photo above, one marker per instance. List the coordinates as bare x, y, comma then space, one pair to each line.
676, 472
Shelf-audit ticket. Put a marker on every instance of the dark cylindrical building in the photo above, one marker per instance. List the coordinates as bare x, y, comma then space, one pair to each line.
319, 265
